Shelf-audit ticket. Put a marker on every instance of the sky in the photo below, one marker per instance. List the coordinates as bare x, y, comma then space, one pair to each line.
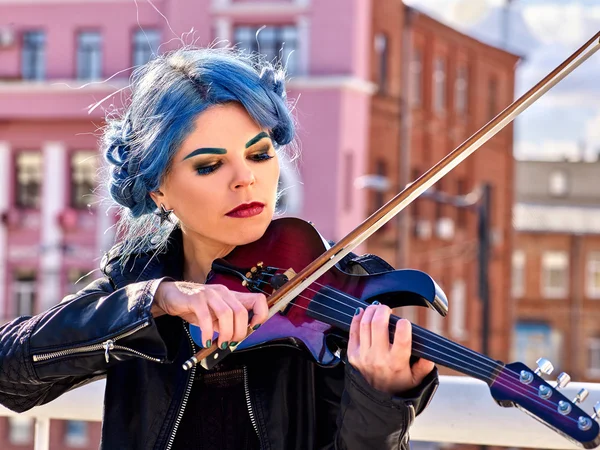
565, 122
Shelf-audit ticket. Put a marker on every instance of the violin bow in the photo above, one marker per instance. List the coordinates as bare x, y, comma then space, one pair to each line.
292, 288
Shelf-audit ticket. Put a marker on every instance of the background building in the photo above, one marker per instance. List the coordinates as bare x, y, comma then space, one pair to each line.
352, 65
556, 265
436, 87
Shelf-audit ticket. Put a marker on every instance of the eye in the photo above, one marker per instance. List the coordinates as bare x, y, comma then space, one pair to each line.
263, 155
206, 170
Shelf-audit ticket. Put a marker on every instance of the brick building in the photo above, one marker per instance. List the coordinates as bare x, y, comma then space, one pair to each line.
556, 266
437, 87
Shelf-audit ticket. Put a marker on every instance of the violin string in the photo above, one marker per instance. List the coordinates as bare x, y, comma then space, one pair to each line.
475, 367
431, 335
510, 386
488, 361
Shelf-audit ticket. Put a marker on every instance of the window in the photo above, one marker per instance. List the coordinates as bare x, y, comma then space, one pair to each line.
349, 191
381, 52
416, 77
593, 275
461, 212
145, 46
381, 170
275, 42
20, 430
458, 298
558, 183
536, 340
24, 292
89, 55
593, 363
439, 85
76, 433
29, 179
492, 98
461, 90
83, 176
555, 267
434, 321
33, 58
439, 206
518, 273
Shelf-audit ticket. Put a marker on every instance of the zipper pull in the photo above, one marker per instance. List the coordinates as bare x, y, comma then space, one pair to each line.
108, 346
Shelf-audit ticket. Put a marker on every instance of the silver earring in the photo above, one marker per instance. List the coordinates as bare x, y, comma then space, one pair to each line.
164, 214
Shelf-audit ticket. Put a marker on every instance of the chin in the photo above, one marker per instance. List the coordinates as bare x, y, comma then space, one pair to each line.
249, 231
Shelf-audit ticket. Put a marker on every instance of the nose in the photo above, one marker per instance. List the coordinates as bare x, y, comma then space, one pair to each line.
243, 176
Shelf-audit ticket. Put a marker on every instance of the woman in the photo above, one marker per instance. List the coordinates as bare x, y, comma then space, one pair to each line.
199, 145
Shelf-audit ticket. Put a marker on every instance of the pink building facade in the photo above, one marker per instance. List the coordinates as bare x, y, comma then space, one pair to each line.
59, 57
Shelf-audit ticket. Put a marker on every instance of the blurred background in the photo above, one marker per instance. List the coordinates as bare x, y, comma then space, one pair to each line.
383, 89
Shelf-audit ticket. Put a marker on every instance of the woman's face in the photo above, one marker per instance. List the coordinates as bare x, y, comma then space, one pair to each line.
223, 180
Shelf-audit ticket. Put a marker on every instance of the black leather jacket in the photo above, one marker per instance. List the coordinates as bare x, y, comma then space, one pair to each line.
106, 330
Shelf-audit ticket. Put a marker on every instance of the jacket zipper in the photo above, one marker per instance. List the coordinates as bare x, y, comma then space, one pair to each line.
188, 389
107, 346
249, 404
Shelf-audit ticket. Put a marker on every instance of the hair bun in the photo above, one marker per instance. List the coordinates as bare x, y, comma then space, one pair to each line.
273, 80
125, 185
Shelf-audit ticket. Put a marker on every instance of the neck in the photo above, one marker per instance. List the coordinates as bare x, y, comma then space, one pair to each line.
199, 254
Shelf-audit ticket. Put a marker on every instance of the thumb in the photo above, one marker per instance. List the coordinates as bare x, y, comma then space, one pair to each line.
421, 369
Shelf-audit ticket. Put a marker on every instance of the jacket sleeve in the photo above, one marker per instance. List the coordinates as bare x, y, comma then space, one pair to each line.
358, 416
75, 342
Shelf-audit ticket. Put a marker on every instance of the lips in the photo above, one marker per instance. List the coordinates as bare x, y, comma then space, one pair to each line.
246, 210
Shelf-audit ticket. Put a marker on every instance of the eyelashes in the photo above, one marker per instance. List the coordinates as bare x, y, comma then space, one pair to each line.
257, 157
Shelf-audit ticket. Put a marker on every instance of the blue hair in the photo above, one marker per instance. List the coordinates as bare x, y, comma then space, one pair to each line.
167, 94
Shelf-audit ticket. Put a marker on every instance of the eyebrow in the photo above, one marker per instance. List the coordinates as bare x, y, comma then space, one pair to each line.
205, 151
257, 138
222, 151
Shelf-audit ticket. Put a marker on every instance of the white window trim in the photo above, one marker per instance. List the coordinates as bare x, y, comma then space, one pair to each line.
458, 313
593, 372
592, 264
518, 263
554, 259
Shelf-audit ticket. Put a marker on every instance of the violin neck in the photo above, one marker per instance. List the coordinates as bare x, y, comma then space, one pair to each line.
440, 350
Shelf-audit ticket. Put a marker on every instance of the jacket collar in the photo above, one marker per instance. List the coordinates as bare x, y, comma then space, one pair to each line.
149, 263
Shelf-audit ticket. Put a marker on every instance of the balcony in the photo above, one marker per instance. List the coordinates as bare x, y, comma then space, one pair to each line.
462, 412
52, 99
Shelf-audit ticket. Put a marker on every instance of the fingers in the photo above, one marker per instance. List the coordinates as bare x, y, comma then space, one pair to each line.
257, 303
354, 338
205, 322
365, 328
402, 346
380, 334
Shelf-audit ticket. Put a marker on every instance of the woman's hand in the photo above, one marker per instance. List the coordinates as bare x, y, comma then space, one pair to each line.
212, 307
385, 366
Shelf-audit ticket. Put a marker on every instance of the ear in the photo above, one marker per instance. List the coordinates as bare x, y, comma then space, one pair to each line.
158, 197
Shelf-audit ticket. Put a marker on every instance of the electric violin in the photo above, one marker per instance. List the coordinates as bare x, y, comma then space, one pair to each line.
312, 301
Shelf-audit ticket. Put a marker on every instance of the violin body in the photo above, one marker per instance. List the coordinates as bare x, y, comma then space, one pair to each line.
322, 314
318, 321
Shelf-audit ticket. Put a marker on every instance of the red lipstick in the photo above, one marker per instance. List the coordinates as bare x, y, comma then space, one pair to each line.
246, 210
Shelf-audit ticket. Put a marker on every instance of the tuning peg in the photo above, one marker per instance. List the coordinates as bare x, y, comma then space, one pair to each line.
581, 396
562, 380
596, 410
544, 366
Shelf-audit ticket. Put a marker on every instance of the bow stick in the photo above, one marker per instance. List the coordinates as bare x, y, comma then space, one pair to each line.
291, 289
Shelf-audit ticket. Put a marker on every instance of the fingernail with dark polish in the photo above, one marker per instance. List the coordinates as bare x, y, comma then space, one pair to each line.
224, 345
357, 312
256, 327
208, 343
233, 344
375, 303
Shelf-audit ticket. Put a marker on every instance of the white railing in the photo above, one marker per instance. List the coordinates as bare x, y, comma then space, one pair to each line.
462, 411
